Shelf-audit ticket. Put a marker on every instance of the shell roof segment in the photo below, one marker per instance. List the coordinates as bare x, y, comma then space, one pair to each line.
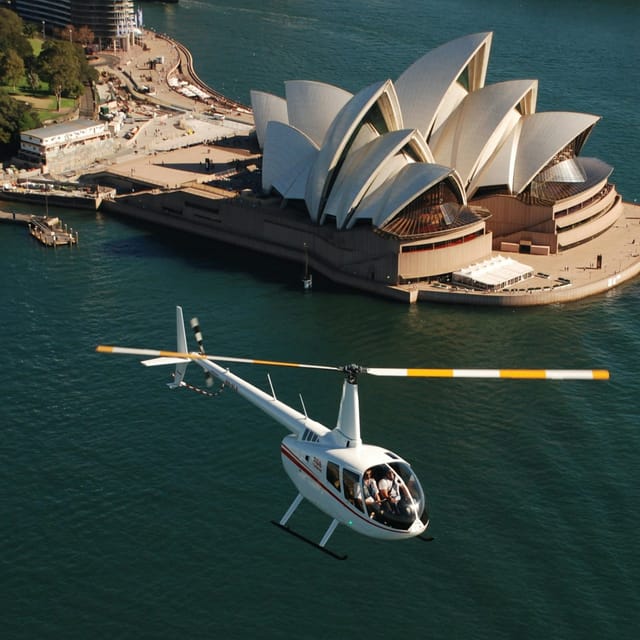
313, 106
480, 123
351, 129
411, 181
287, 157
429, 89
530, 146
267, 107
363, 167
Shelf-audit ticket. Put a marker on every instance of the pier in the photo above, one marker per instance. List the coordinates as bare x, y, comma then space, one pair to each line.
50, 231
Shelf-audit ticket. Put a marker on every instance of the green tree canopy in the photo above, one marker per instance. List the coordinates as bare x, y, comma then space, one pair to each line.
60, 66
12, 33
64, 64
15, 116
11, 68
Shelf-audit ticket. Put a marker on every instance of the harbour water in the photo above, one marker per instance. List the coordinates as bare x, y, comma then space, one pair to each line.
130, 511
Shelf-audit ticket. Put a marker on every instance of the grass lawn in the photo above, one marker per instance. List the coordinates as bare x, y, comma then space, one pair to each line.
40, 99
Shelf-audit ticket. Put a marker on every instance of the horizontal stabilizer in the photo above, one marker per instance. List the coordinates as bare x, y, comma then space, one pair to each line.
156, 362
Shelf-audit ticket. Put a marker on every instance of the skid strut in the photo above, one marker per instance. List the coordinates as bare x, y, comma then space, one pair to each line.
332, 527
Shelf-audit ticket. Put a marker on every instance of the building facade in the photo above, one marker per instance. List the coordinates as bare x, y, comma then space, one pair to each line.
64, 147
115, 23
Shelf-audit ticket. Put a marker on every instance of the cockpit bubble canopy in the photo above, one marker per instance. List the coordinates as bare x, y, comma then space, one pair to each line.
392, 495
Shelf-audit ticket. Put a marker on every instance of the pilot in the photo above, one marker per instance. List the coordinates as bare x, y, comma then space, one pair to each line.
371, 494
390, 490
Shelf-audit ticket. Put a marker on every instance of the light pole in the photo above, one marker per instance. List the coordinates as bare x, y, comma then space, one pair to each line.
43, 30
70, 36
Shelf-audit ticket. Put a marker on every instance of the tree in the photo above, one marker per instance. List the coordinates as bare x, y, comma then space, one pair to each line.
85, 36
11, 68
31, 71
60, 65
15, 116
12, 33
88, 74
33, 80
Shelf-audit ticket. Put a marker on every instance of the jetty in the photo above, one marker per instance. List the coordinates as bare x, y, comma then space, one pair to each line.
50, 231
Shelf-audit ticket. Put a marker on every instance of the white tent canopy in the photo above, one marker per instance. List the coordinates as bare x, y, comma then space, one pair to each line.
493, 274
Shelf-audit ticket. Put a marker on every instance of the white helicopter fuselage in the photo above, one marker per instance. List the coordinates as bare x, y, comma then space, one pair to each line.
308, 464
327, 467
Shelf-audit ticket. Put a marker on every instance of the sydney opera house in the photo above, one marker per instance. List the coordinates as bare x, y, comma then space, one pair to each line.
419, 178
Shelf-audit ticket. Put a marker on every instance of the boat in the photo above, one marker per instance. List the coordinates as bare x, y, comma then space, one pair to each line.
307, 280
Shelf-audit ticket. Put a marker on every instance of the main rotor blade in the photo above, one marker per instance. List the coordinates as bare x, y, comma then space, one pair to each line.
524, 374
203, 356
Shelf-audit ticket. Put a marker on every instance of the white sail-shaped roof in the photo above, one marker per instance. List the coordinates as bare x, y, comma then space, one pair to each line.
361, 168
430, 85
312, 106
543, 135
481, 123
395, 194
266, 108
288, 155
369, 155
529, 148
340, 137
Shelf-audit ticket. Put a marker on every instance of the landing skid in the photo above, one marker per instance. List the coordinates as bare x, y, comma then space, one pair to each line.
333, 554
332, 527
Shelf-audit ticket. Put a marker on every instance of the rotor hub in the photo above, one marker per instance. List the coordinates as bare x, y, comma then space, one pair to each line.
351, 372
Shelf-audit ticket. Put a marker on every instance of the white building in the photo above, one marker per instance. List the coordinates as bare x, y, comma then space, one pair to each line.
61, 147
450, 168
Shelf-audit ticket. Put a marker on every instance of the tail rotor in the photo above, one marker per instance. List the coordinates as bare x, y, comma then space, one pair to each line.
197, 333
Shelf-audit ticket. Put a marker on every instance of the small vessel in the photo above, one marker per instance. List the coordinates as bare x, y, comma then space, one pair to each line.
307, 280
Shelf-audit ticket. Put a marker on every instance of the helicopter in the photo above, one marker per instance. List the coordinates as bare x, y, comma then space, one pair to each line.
331, 467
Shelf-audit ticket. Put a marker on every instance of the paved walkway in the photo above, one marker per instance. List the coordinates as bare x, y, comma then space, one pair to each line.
562, 277
177, 64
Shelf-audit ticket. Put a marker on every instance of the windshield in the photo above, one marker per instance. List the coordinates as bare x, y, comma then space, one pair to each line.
393, 495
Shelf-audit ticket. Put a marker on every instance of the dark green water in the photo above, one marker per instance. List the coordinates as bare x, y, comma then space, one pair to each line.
129, 511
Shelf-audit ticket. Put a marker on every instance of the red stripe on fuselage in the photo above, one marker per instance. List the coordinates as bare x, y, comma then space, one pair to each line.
292, 456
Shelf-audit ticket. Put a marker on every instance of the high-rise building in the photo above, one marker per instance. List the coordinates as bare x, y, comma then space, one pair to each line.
114, 22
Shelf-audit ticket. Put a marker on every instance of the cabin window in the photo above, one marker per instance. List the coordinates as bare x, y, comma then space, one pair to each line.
352, 491
333, 475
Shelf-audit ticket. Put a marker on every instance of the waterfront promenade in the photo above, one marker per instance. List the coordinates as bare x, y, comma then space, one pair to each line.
137, 67
562, 277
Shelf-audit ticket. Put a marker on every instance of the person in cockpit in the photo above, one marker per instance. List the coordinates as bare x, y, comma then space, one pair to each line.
371, 494
389, 487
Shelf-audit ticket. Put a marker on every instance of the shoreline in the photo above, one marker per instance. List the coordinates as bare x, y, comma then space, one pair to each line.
168, 173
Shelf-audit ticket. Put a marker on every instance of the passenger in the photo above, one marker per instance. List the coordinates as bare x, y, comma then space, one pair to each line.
371, 494
390, 490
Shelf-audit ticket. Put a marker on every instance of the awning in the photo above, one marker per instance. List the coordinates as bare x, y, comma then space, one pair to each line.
495, 273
